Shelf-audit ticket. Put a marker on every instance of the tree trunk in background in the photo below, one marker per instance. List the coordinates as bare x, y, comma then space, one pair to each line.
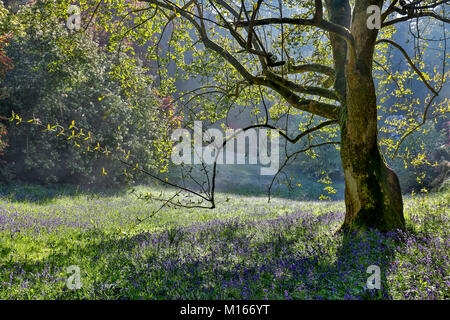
373, 197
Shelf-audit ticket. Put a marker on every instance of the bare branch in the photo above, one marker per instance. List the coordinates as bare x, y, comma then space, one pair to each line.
292, 140
294, 154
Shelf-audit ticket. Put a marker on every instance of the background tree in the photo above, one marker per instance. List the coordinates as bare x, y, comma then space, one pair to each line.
74, 90
6, 64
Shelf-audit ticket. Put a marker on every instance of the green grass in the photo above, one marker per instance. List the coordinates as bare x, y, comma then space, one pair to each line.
246, 248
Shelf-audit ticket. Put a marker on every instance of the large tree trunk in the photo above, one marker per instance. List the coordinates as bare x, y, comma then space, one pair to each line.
373, 197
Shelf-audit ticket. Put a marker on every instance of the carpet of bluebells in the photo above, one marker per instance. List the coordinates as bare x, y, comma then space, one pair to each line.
245, 249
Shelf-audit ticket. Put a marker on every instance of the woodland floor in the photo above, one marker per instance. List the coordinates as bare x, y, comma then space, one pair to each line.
246, 248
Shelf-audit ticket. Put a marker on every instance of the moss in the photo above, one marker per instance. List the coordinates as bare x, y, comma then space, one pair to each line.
377, 189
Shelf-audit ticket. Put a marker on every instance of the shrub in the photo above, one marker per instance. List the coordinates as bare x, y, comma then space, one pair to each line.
49, 85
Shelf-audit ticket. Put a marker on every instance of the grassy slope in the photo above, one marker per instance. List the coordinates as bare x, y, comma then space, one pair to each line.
246, 248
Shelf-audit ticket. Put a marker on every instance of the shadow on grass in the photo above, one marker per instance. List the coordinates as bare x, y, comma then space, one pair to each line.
368, 257
45, 194
270, 269
282, 258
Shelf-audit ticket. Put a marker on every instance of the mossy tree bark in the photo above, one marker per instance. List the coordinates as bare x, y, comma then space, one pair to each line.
373, 196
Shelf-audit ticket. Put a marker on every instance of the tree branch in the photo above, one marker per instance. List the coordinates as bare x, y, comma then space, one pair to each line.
316, 91
208, 43
414, 14
299, 136
323, 24
321, 109
294, 154
318, 15
389, 10
310, 67
399, 47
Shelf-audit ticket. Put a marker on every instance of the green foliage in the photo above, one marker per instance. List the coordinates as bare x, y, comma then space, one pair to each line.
60, 87
416, 165
411, 118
